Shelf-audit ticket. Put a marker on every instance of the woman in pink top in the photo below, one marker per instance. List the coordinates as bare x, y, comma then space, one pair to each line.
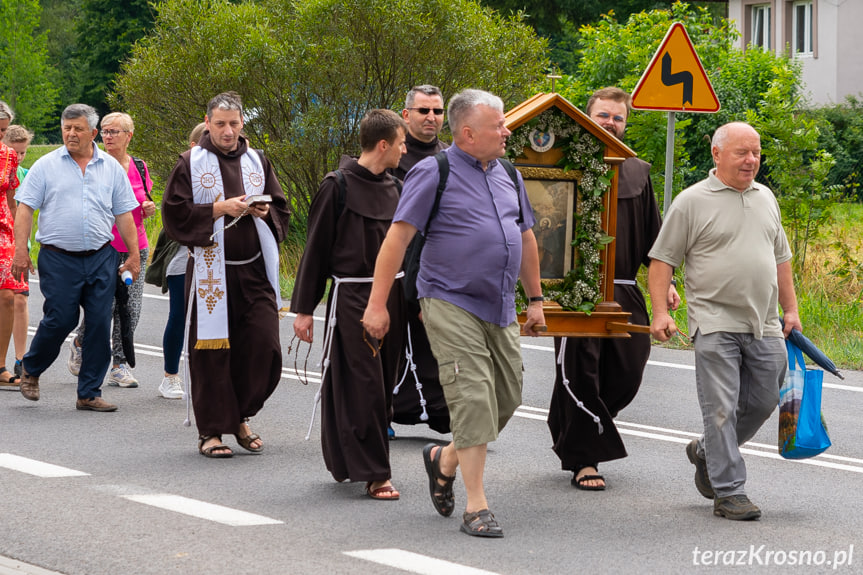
117, 131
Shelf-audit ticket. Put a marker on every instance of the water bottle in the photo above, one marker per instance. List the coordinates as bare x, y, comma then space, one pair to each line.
127, 277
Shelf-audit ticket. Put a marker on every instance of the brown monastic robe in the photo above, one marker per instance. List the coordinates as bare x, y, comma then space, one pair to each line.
407, 408
230, 384
605, 373
356, 396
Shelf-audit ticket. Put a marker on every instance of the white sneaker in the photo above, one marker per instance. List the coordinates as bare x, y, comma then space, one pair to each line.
122, 376
74, 363
172, 387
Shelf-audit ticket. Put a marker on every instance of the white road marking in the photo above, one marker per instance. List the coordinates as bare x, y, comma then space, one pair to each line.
415, 563
677, 436
202, 509
37, 468
9, 566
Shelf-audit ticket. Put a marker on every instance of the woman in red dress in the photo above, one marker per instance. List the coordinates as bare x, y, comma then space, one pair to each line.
8, 285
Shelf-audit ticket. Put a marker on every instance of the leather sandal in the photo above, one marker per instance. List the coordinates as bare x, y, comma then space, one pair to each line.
379, 492
10, 382
217, 451
441, 494
246, 442
481, 524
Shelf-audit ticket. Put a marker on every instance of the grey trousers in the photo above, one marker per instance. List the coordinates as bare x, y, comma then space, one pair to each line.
738, 379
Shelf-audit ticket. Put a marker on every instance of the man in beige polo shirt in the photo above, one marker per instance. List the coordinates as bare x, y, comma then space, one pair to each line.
728, 231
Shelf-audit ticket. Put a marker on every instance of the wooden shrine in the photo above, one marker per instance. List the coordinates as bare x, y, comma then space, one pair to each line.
547, 128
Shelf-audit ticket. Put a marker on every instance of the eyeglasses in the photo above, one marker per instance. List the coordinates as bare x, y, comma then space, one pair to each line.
113, 133
424, 111
606, 115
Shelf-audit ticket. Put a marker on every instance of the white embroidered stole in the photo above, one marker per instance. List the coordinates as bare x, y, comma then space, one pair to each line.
210, 282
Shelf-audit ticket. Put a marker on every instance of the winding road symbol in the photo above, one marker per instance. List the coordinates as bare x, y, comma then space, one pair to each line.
675, 80
670, 79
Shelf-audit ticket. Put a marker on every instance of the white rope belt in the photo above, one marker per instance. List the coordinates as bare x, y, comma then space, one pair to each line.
328, 338
625, 283
577, 401
412, 367
242, 262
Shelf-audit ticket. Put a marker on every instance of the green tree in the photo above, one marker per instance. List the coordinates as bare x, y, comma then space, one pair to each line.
752, 85
309, 70
24, 74
105, 32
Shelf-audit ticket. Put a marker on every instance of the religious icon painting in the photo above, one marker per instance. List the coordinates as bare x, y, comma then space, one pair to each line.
553, 204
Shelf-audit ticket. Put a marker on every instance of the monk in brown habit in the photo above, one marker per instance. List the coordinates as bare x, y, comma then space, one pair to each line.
235, 357
348, 220
605, 373
418, 397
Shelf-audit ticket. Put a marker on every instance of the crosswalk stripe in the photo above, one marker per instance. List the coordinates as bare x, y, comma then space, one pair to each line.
415, 563
202, 509
37, 468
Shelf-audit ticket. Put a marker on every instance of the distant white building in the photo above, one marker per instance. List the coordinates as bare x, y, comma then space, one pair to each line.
822, 34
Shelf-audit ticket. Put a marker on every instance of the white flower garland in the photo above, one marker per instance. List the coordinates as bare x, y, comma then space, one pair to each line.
580, 288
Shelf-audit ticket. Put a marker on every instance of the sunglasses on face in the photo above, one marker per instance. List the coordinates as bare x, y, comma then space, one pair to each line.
424, 111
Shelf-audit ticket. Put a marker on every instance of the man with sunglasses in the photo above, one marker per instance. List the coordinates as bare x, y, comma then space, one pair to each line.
605, 373
418, 397
424, 115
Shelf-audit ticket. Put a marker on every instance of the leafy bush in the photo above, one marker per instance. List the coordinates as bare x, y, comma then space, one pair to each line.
309, 70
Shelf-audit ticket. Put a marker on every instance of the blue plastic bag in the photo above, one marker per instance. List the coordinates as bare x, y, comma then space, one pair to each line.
802, 430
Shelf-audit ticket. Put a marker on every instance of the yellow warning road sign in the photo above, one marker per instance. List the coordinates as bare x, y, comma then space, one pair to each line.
675, 80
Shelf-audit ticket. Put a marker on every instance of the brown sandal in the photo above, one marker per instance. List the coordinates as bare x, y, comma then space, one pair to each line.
246, 442
218, 451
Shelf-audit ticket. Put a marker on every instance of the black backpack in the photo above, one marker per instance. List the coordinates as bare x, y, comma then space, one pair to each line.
411, 263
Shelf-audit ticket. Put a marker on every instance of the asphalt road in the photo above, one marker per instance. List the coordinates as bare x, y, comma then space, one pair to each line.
127, 492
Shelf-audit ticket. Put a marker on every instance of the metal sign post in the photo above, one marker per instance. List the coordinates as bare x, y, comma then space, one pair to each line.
669, 163
675, 81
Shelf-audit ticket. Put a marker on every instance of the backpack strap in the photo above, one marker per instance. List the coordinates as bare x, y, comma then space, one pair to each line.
443, 175
510, 169
142, 169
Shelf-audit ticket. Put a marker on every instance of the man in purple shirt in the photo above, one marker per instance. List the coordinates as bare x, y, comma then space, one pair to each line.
478, 244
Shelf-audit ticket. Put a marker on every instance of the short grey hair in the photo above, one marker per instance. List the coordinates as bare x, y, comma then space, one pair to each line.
720, 136
75, 111
123, 119
225, 101
426, 89
6, 112
462, 105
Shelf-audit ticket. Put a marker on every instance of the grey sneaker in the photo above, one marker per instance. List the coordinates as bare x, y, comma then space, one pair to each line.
702, 480
736, 507
122, 376
172, 387
74, 363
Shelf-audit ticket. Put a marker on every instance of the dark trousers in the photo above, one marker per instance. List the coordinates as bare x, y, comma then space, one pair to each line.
172, 339
69, 283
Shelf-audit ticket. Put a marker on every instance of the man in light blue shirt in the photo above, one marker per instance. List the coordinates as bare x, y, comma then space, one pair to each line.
79, 191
